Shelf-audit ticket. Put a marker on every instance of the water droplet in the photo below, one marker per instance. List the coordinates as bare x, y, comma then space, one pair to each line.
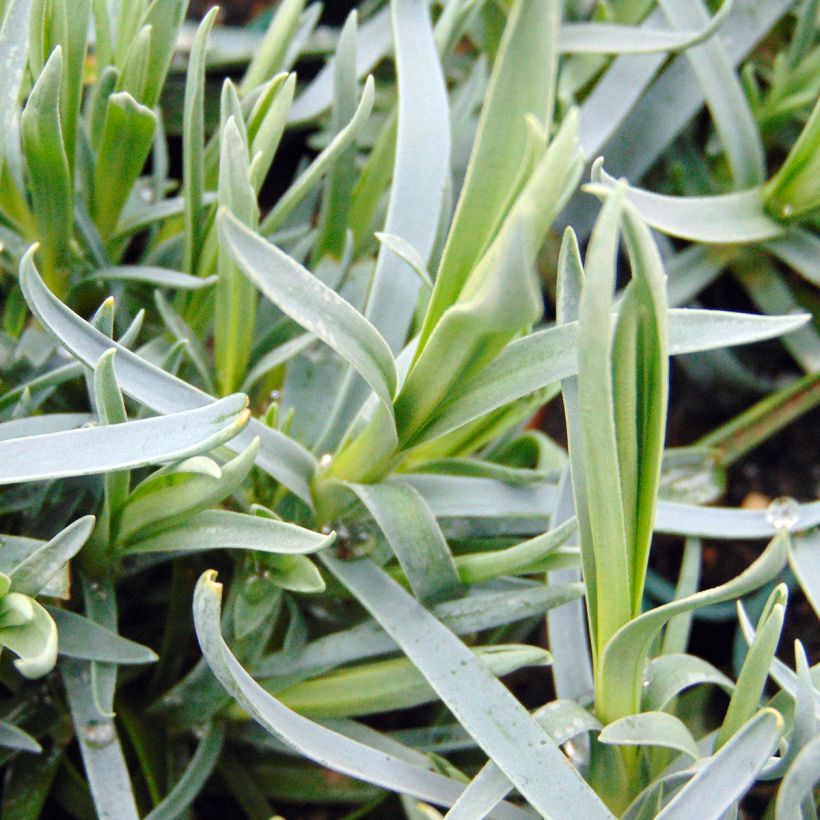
275, 395
787, 210
326, 529
783, 513
99, 733
324, 461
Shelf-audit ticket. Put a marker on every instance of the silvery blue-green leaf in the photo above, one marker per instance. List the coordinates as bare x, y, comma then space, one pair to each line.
172, 495
13, 53
30, 576
83, 639
803, 552
39, 425
16, 549
194, 777
319, 744
102, 449
499, 724
420, 172
785, 678
382, 686
651, 729
724, 95
722, 522
476, 611
137, 215
408, 253
562, 719
641, 133
159, 277
266, 125
308, 179
751, 680
547, 356
221, 529
414, 536
799, 782
612, 38
105, 765
100, 598
313, 305
29, 631
12, 737
624, 657
727, 775
723, 218
183, 334
799, 249
373, 42
279, 455
278, 356
677, 632
668, 675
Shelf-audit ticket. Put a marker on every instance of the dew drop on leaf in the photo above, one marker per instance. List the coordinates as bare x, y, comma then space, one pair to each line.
783, 513
324, 461
98, 734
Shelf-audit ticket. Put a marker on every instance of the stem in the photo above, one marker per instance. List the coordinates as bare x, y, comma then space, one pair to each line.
760, 422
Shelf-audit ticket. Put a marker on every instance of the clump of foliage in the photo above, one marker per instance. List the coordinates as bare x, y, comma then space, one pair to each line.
326, 397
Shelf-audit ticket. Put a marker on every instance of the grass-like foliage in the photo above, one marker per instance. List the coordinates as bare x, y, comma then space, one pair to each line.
309, 382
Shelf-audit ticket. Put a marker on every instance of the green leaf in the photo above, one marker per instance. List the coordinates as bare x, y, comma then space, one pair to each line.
651, 729
498, 723
193, 144
498, 300
794, 191
751, 681
342, 175
727, 776
194, 777
48, 171
598, 444
29, 631
270, 55
280, 456
12, 737
170, 496
383, 686
414, 536
30, 576
84, 639
484, 565
115, 447
126, 141
234, 314
220, 529
165, 18
313, 305
802, 560
528, 50
324, 746
624, 657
